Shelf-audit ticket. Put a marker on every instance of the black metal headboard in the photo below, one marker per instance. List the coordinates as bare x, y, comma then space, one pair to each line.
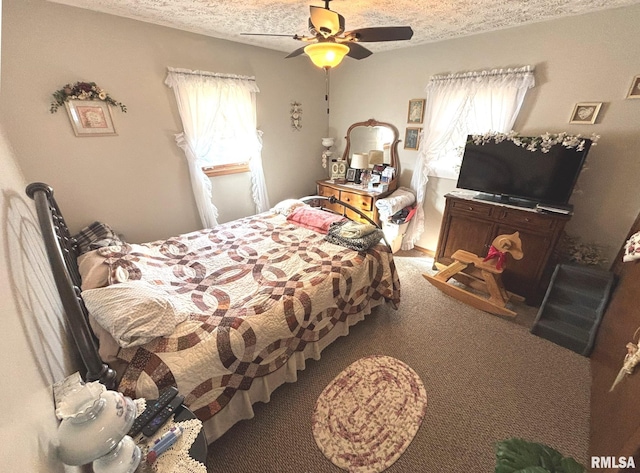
62, 251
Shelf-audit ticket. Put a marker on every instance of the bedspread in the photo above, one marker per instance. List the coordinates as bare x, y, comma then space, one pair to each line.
257, 290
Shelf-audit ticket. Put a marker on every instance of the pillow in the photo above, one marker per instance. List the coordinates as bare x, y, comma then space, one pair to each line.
96, 232
314, 219
287, 206
134, 312
108, 348
93, 270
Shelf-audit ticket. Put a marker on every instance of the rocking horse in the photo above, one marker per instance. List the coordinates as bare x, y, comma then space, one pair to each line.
481, 274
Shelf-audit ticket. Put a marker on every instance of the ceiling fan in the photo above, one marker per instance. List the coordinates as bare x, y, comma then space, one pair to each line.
329, 43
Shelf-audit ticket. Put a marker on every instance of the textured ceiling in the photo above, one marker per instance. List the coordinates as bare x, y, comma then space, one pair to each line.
431, 20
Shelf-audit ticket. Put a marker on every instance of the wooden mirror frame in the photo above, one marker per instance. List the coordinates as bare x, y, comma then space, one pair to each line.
393, 150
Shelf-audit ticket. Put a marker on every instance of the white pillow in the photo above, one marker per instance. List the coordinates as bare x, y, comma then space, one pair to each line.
287, 206
134, 312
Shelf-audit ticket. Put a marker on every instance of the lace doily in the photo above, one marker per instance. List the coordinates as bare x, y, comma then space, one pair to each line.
175, 459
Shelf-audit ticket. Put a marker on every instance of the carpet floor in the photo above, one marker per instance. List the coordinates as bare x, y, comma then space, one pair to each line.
487, 378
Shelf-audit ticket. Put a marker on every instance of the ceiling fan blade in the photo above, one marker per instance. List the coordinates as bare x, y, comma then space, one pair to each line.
381, 33
326, 22
294, 36
297, 52
356, 51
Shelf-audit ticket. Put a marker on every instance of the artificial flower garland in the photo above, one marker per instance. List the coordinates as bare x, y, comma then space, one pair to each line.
532, 143
83, 91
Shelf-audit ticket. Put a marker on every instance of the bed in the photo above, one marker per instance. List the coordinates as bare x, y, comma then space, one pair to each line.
249, 300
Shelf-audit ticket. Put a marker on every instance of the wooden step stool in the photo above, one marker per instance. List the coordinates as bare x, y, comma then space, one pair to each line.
482, 274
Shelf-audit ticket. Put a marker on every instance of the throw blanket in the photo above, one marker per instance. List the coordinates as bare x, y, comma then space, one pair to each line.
361, 243
257, 291
356, 230
401, 198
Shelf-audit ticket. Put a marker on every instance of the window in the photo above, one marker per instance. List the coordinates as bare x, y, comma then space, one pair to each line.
218, 114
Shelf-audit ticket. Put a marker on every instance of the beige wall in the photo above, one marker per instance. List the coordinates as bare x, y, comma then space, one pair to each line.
586, 58
138, 181
32, 354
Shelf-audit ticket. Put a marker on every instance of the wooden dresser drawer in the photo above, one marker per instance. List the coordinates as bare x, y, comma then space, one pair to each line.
471, 207
328, 192
362, 202
523, 219
350, 214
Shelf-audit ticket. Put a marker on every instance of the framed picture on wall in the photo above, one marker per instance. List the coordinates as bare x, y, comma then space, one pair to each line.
416, 111
634, 90
412, 138
585, 113
90, 117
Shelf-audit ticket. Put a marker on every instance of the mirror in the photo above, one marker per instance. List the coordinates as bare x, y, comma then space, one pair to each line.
372, 135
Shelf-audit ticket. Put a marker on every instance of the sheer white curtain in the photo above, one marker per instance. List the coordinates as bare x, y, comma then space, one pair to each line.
458, 105
218, 116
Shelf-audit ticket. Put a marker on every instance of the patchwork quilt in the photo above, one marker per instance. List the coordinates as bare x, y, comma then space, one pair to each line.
256, 290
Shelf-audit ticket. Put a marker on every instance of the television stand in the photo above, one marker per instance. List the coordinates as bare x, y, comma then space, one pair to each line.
470, 224
507, 200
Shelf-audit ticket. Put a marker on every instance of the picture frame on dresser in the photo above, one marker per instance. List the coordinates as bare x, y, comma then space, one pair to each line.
351, 175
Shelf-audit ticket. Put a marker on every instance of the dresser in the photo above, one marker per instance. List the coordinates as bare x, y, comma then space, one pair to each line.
354, 195
472, 225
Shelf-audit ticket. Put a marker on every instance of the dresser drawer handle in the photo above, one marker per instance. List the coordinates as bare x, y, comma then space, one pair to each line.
470, 208
527, 219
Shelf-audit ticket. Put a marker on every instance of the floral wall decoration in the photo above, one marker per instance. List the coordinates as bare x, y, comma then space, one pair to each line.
83, 91
88, 107
533, 143
296, 115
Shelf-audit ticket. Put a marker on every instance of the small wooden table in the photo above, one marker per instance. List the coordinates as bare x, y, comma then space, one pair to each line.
199, 448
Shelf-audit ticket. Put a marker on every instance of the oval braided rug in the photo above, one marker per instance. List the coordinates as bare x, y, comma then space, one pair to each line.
368, 415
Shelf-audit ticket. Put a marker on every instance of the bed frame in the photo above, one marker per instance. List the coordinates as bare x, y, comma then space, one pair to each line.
62, 251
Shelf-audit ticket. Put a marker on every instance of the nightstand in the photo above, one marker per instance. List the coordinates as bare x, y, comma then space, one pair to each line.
199, 449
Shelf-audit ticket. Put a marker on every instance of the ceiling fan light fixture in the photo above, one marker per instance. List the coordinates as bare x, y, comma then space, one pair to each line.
326, 55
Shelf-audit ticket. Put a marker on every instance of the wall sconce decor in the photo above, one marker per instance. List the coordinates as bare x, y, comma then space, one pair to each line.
296, 116
327, 153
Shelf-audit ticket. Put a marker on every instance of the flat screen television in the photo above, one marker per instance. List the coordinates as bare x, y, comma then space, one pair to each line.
508, 173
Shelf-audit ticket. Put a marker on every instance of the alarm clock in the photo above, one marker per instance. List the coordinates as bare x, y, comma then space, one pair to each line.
338, 169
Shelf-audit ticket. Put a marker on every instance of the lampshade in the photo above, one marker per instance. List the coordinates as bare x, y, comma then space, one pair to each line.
360, 161
376, 156
326, 54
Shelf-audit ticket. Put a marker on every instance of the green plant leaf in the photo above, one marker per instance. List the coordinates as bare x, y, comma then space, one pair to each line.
572, 466
516, 455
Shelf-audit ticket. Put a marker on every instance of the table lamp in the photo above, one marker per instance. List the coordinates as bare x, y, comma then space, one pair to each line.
94, 429
359, 162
